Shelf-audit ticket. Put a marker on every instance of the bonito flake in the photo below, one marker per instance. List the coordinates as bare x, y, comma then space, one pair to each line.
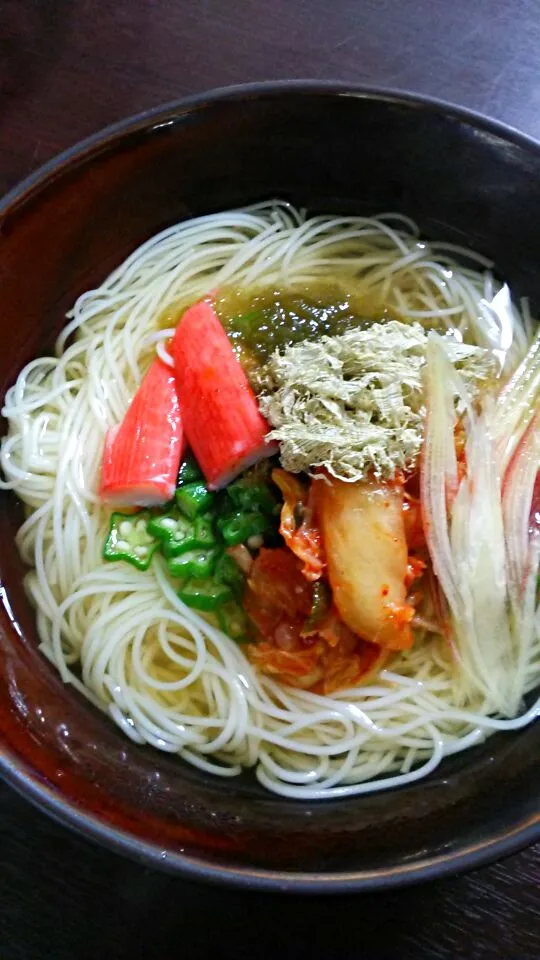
354, 404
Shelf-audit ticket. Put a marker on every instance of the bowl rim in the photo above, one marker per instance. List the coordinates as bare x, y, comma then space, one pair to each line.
45, 797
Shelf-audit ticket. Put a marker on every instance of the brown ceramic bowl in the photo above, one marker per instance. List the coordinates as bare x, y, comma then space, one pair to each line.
331, 148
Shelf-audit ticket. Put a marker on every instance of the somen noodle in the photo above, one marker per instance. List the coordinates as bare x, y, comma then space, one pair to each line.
165, 674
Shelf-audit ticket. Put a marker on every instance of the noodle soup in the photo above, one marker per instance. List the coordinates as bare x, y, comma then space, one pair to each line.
282, 500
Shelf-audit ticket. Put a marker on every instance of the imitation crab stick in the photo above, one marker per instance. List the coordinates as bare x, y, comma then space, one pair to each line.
142, 455
221, 417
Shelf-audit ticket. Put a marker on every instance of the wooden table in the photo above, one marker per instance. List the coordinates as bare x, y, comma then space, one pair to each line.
68, 67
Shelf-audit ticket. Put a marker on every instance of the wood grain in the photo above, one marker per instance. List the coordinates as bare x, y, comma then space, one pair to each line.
63, 899
67, 68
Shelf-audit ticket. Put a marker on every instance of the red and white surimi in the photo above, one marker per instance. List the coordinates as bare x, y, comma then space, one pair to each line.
142, 455
221, 418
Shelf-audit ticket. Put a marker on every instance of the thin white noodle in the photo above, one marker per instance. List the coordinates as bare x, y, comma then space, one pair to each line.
158, 669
